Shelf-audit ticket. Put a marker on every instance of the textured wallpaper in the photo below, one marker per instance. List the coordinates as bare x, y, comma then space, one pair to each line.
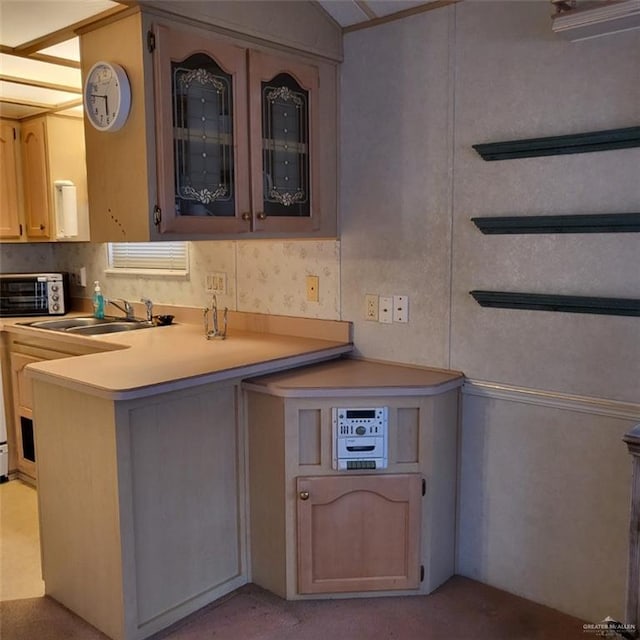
263, 276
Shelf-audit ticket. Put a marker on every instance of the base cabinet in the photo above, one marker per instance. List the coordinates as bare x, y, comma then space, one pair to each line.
153, 524
358, 533
316, 531
23, 352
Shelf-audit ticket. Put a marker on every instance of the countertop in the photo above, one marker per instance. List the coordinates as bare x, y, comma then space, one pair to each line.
356, 377
136, 364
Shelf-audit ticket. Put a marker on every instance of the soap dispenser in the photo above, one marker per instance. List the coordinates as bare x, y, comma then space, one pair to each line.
98, 301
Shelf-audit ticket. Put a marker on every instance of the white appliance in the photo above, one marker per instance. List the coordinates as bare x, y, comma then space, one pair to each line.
4, 448
360, 438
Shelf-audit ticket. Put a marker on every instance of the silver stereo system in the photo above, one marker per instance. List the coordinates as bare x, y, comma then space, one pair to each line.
360, 437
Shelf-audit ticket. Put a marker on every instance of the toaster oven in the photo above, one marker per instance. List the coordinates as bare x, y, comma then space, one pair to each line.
34, 294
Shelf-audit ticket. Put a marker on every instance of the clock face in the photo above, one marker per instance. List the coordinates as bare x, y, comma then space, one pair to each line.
107, 96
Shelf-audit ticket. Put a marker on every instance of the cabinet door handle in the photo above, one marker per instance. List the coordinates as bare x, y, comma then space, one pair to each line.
261, 215
246, 216
41, 227
304, 495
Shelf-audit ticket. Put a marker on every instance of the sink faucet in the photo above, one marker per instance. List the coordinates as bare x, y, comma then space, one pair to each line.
125, 307
149, 307
215, 332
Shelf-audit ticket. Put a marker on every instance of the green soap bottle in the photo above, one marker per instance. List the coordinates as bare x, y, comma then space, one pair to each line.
98, 301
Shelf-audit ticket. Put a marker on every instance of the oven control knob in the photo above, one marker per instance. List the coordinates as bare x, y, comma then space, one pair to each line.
56, 307
55, 296
54, 287
361, 430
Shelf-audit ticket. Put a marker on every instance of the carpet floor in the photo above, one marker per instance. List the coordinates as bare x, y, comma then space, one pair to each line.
461, 609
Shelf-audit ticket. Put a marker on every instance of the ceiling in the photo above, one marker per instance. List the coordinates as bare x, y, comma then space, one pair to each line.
40, 55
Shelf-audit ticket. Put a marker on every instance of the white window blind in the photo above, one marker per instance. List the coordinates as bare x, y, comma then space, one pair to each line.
148, 256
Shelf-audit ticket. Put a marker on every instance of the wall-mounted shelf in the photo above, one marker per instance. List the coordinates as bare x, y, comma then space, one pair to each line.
586, 223
549, 302
561, 145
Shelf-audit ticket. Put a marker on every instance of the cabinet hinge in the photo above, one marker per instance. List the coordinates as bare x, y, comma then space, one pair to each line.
424, 487
157, 215
421, 573
151, 41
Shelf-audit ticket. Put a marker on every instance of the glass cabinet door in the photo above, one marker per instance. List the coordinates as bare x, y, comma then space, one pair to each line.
202, 147
283, 109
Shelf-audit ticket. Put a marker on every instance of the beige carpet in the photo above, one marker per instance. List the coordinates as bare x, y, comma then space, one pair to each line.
460, 610
20, 575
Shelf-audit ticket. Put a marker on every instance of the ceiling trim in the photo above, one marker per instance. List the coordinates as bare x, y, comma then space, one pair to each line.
366, 9
398, 15
41, 84
64, 34
40, 57
60, 106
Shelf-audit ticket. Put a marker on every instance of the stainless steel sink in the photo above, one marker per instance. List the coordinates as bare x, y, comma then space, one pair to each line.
111, 327
89, 326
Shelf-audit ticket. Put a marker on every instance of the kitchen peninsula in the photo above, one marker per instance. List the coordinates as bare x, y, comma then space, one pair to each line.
141, 470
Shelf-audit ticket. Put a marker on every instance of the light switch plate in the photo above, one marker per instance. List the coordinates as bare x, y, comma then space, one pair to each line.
385, 310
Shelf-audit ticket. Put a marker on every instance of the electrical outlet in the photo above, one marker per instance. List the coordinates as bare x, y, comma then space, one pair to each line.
401, 309
313, 282
78, 277
371, 303
216, 282
385, 309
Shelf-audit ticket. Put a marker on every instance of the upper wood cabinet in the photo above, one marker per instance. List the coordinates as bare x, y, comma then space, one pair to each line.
37, 153
222, 139
10, 209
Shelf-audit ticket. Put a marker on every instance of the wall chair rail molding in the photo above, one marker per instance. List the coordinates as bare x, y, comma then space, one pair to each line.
553, 399
576, 223
551, 302
606, 140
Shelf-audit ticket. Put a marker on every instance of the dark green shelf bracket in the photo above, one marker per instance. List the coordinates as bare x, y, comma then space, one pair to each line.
586, 223
561, 145
549, 302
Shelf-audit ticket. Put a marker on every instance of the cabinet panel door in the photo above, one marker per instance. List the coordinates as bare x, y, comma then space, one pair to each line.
9, 202
22, 409
358, 533
202, 142
283, 96
35, 170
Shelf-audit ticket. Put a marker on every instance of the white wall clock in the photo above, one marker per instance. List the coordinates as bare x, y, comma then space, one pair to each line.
107, 96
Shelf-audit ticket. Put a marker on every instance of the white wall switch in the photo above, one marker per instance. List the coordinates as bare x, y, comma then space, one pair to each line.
385, 309
216, 282
401, 308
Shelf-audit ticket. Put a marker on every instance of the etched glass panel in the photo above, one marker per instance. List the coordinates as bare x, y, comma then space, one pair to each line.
285, 144
203, 138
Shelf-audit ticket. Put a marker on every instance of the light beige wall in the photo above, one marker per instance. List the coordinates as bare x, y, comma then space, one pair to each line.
396, 183
265, 276
416, 95
516, 79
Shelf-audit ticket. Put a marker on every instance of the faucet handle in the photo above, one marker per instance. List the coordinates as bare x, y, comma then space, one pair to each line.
149, 307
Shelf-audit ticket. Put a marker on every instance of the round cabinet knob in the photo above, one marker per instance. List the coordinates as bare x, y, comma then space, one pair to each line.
42, 227
261, 215
304, 495
246, 216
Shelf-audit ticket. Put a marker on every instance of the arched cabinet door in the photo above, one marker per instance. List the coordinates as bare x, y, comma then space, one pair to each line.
202, 142
283, 107
358, 533
35, 171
